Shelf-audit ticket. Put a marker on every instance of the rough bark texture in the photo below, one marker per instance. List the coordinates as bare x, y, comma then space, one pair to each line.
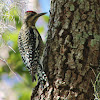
72, 52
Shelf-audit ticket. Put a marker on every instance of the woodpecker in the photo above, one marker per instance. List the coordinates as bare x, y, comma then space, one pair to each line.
31, 46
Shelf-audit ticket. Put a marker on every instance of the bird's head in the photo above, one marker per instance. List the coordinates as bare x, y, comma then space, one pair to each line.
31, 17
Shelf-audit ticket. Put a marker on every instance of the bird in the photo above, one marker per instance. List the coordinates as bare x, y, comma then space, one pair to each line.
31, 46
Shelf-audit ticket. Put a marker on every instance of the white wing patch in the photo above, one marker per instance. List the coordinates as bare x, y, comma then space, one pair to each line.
37, 39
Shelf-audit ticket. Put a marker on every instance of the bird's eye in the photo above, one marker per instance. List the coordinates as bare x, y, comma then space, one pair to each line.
33, 14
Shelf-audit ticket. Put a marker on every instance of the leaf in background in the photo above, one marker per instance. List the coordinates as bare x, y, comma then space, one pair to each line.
40, 29
46, 18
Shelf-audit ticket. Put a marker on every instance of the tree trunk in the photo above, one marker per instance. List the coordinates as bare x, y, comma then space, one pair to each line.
72, 52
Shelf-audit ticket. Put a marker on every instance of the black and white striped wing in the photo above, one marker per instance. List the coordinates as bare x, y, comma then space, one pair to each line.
28, 44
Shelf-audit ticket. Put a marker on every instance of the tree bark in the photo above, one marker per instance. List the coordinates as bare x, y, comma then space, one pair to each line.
72, 52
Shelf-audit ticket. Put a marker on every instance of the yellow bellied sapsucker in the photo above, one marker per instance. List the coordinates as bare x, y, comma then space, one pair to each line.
31, 46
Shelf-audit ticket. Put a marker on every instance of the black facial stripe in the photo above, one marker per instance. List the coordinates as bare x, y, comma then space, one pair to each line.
35, 18
33, 14
29, 17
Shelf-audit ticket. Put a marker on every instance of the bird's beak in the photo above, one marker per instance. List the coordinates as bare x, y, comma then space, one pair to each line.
40, 14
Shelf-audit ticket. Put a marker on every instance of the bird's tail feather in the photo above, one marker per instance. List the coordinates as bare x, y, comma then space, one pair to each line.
42, 78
